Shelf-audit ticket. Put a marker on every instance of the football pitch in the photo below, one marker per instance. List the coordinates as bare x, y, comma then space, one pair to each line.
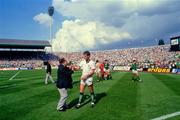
24, 96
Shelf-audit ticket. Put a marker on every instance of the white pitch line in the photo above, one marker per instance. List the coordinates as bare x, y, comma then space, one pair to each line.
14, 75
167, 116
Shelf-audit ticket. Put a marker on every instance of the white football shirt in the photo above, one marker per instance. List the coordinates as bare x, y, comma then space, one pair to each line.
87, 67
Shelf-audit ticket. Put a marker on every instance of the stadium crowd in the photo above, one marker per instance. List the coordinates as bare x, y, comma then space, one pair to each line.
24, 59
147, 57
21, 64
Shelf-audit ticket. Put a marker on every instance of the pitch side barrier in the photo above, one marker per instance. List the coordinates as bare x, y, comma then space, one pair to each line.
123, 68
27, 68
4, 69
163, 70
152, 70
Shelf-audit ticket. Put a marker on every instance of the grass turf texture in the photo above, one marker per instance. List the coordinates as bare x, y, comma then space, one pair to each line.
26, 97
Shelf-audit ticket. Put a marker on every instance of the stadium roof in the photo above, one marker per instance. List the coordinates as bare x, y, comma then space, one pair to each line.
23, 44
177, 37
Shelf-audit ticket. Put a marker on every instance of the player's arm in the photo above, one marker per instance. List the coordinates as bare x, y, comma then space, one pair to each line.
88, 74
78, 66
91, 72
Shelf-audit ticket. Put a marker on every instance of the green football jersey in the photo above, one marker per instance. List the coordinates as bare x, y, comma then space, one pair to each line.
106, 66
178, 64
134, 66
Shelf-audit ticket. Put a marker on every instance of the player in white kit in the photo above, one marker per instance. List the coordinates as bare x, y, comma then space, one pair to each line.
88, 69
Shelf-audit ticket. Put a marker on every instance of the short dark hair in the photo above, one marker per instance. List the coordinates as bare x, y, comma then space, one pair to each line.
86, 53
62, 60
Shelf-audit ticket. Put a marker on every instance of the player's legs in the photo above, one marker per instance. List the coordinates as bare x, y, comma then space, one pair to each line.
91, 90
82, 88
89, 82
99, 76
46, 79
50, 77
138, 77
109, 74
134, 74
98, 79
106, 75
102, 75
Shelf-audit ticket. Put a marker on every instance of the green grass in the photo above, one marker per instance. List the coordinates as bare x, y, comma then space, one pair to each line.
27, 98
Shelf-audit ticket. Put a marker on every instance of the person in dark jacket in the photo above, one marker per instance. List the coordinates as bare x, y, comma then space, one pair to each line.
64, 81
48, 73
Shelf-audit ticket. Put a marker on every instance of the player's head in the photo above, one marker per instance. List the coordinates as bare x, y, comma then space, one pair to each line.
106, 61
97, 61
86, 55
49, 61
134, 61
63, 61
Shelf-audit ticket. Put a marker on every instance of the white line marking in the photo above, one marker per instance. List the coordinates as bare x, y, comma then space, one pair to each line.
14, 75
167, 116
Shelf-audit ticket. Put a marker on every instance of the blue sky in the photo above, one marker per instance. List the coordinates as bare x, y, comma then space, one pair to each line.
91, 24
17, 22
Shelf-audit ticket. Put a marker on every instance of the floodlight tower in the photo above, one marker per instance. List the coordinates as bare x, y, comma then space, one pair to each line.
50, 12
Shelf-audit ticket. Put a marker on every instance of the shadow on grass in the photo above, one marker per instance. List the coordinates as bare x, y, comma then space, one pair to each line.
75, 82
86, 99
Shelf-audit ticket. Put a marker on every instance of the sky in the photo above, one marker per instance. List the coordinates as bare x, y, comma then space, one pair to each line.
91, 24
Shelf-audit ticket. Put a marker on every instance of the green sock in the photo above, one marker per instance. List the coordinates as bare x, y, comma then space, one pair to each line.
133, 78
138, 78
92, 96
80, 97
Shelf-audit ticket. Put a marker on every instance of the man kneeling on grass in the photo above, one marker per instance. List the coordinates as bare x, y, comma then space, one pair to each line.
64, 81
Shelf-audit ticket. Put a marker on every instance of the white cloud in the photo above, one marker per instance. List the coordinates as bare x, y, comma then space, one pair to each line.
79, 35
151, 27
113, 11
75, 0
43, 19
107, 21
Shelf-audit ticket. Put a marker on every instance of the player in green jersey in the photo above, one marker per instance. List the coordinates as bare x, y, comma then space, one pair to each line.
107, 70
135, 74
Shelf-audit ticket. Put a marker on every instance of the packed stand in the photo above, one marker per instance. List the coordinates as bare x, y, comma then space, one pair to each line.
147, 57
24, 59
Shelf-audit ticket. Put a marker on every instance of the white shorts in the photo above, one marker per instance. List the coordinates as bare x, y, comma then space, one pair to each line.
87, 82
134, 71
